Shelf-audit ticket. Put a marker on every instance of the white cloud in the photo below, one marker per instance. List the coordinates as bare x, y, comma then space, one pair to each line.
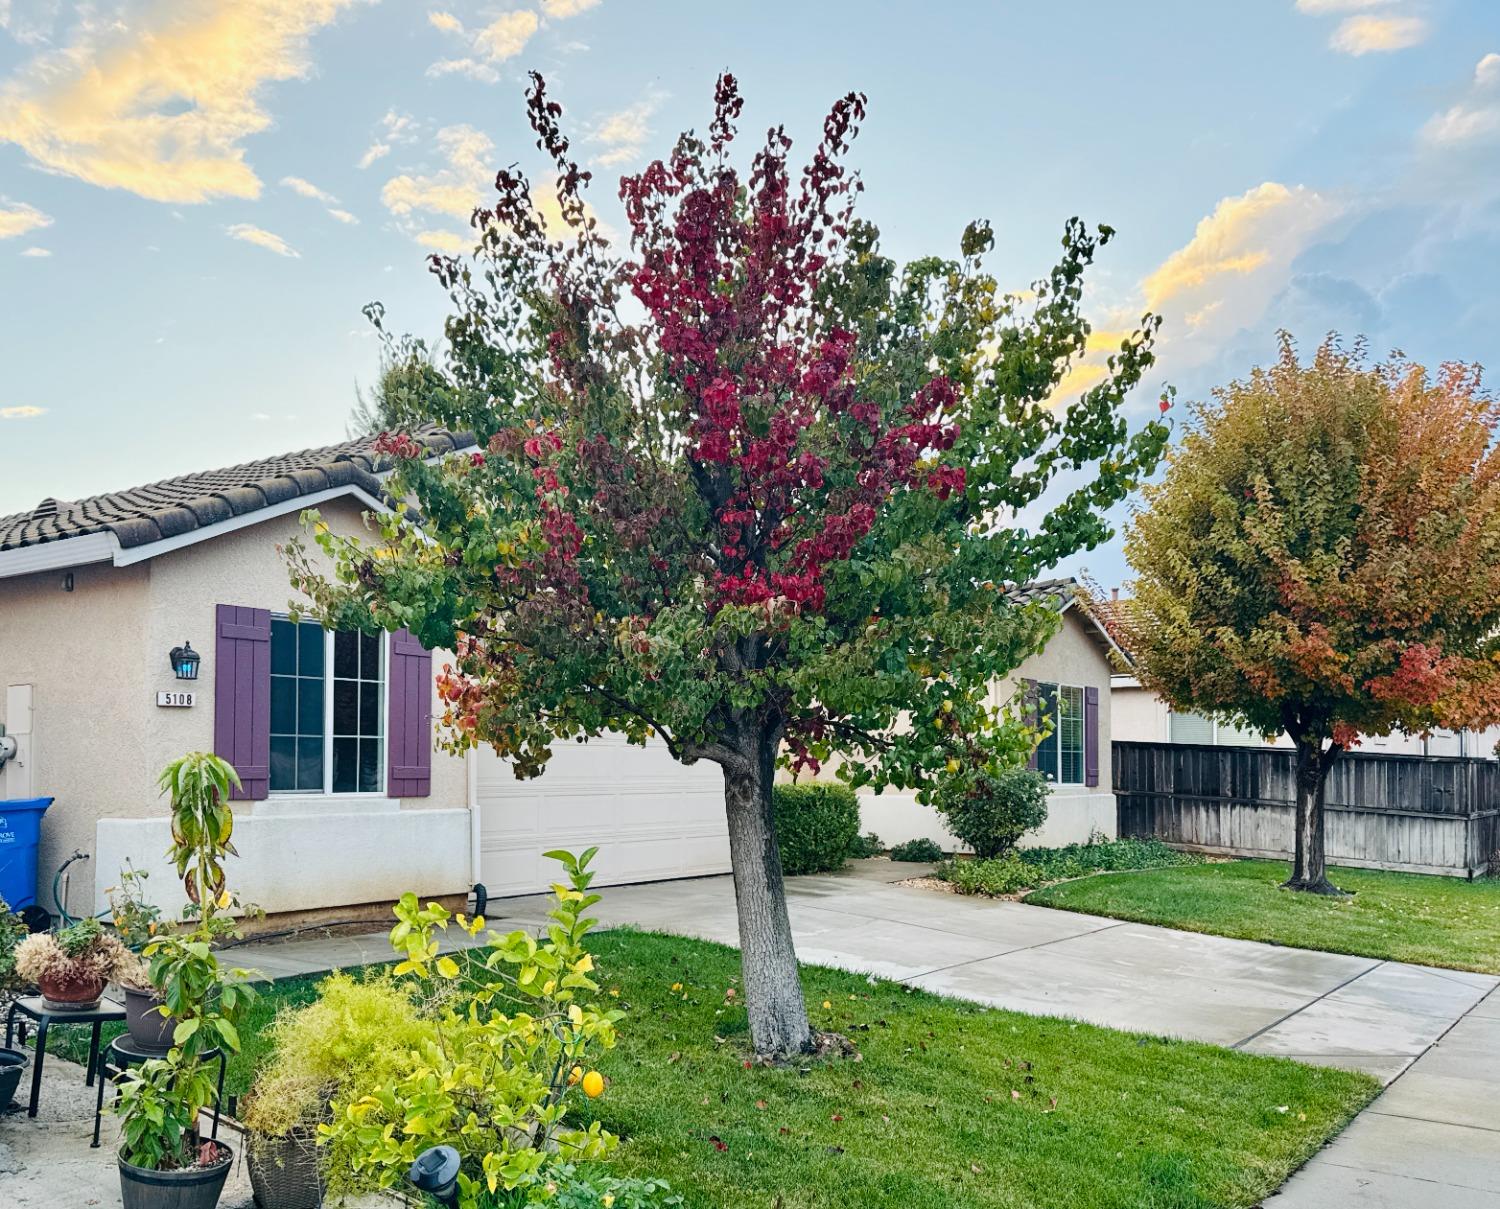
1319, 7
446, 241
1377, 35
261, 238
343, 216
161, 104
307, 189
1487, 74
623, 134
25, 412
561, 10
393, 129
1475, 119
17, 218
454, 190
503, 38
35, 253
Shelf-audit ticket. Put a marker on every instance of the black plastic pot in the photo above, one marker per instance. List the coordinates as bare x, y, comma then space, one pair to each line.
195, 1188
284, 1172
149, 1029
12, 1066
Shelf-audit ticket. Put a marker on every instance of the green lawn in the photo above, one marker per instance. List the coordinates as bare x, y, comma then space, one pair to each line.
1438, 921
951, 1105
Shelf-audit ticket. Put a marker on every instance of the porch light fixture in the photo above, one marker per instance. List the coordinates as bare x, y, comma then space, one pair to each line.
185, 661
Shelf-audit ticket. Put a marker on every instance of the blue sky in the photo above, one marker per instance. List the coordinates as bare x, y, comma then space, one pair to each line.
197, 196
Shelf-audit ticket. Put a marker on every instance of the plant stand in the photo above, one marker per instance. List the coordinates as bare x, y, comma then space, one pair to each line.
31, 1007
122, 1053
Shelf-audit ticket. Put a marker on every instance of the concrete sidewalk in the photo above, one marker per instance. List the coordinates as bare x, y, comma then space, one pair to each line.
1433, 1138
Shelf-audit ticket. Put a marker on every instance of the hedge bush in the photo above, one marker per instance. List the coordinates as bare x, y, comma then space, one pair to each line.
817, 824
992, 810
920, 849
1028, 868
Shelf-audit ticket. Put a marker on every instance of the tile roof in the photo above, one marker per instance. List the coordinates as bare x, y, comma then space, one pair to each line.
192, 501
1059, 593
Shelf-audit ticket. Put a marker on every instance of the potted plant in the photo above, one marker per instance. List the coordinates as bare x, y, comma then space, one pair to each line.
164, 1161
358, 1036
71, 967
137, 923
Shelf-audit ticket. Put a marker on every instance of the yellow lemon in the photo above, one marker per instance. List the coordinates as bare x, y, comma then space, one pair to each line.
574, 1075
952, 764
593, 1084
827, 1007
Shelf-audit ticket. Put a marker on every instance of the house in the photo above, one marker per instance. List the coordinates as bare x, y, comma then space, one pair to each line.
1070, 680
346, 803
1141, 716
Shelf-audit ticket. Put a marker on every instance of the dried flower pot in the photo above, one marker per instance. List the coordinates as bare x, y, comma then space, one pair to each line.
284, 1171
192, 1188
12, 1066
149, 1029
70, 991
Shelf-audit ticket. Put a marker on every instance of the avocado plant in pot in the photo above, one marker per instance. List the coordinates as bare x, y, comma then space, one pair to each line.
71, 967
164, 1161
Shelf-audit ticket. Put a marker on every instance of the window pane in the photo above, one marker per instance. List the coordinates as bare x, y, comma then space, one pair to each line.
283, 647
345, 765
283, 705
310, 649
1046, 751
310, 764
346, 654
369, 765
1191, 728
369, 709
283, 764
1071, 731
345, 707
310, 707
369, 656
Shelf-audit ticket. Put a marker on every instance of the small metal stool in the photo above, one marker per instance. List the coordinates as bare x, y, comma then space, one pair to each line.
33, 1007
122, 1053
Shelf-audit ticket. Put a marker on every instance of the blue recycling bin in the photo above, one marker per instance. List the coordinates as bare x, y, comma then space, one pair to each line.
20, 833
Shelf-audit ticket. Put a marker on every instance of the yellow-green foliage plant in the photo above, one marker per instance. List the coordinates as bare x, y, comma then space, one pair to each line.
514, 1031
357, 1036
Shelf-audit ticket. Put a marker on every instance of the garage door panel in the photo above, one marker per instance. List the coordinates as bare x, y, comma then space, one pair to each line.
650, 817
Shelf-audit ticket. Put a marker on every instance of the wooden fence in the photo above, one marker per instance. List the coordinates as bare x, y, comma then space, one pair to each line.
1421, 814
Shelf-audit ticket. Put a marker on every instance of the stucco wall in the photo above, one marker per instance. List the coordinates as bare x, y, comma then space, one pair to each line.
102, 739
1074, 812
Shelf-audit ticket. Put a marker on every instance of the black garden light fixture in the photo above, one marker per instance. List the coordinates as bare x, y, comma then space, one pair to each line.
185, 661
436, 1173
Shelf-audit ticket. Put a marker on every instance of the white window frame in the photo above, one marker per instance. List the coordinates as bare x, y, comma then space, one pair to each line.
1054, 774
328, 736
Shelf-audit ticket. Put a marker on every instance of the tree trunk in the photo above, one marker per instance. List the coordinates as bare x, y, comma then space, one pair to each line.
1310, 869
772, 986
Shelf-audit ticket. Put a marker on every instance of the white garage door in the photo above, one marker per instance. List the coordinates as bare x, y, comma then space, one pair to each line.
651, 817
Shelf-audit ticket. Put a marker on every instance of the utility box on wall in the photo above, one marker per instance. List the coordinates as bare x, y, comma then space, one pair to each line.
15, 776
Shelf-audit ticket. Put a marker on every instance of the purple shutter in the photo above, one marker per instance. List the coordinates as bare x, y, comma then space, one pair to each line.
411, 718
1032, 712
1091, 735
242, 696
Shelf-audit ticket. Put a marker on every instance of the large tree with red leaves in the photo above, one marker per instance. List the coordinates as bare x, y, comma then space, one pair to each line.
745, 487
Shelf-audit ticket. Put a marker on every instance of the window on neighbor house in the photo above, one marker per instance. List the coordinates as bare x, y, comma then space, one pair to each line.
328, 709
1059, 757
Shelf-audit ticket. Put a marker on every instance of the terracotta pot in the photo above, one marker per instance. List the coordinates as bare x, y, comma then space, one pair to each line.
195, 1188
70, 992
149, 1029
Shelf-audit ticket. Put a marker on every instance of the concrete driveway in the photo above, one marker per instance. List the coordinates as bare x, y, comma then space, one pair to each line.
1433, 1036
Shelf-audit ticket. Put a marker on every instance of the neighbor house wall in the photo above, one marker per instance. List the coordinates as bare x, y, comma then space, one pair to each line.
104, 739
1074, 812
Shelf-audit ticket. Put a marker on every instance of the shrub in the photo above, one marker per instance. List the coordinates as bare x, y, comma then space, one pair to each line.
82, 950
357, 1036
1029, 868
917, 850
865, 846
816, 824
579, 1189
12, 932
990, 811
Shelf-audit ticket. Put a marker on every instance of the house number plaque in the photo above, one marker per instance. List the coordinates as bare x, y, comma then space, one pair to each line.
171, 699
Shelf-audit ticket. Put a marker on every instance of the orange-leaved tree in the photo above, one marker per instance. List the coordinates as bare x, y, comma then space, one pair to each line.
1322, 558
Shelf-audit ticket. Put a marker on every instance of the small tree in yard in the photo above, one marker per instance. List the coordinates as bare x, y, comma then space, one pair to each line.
1322, 558
738, 488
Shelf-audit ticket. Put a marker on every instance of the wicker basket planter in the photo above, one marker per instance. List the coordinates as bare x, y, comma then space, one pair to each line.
284, 1171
